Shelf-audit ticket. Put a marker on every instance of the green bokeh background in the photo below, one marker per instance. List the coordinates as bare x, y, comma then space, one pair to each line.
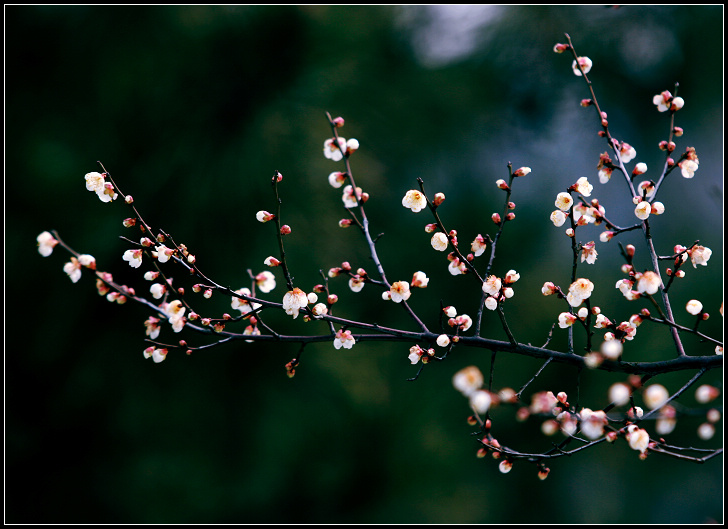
192, 109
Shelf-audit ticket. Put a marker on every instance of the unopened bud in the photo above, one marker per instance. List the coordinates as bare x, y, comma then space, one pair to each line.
128, 223
285, 229
438, 199
587, 102
338, 122
496, 218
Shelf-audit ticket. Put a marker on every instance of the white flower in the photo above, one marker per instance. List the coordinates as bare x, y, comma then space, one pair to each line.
443, 340
655, 395
581, 64
46, 242
175, 314
134, 257
558, 217
480, 401
153, 328
332, 151
158, 355
337, 179
439, 241
492, 285
294, 301
625, 287
564, 201
699, 255
163, 253
626, 152
464, 322
157, 290
662, 101
320, 309
583, 186
605, 173
468, 380
612, 349
265, 281
619, 393
706, 431
694, 307
73, 269
478, 246
264, 216
658, 208
643, 210
414, 200
343, 339
243, 305
356, 283
420, 280
566, 319
400, 291
491, 303
588, 252
352, 145
348, 198
415, 354
505, 466
638, 438
95, 182
581, 288
688, 168
592, 423
649, 282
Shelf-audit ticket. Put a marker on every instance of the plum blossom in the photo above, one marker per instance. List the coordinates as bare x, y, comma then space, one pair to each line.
649, 283
583, 186
73, 269
643, 210
558, 217
612, 349
319, 310
480, 401
337, 179
243, 305
566, 319
175, 314
158, 355
655, 395
638, 438
153, 328
625, 287
164, 253
626, 152
564, 201
588, 252
419, 280
443, 340
348, 198
46, 242
688, 168
492, 285
478, 246
439, 241
619, 393
491, 303
414, 200
579, 290
265, 281
294, 301
96, 182
468, 380
134, 257
343, 339
400, 291
699, 255
662, 101
694, 307
157, 290
581, 64
356, 283
334, 150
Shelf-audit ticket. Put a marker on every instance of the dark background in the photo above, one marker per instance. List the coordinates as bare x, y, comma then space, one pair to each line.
192, 109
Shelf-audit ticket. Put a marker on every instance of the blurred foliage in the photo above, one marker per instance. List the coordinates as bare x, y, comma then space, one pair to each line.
192, 109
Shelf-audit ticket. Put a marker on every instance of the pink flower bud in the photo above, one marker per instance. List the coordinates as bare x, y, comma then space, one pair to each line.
338, 122
430, 228
438, 199
129, 199
522, 171
285, 229
332, 298
561, 48
502, 185
496, 218
587, 102
345, 223
128, 223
